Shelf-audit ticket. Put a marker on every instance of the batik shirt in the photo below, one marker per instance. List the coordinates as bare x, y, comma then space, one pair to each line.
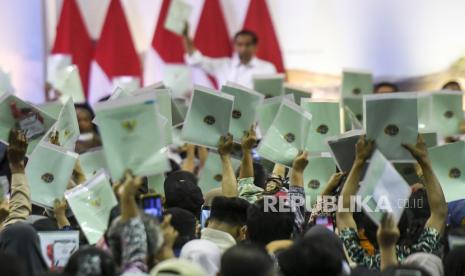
428, 242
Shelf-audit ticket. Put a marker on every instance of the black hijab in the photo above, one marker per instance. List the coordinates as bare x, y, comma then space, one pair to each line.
21, 240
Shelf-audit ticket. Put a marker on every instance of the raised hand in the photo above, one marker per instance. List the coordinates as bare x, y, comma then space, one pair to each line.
300, 162
17, 150
249, 140
334, 181
364, 148
55, 138
388, 234
129, 186
225, 146
419, 151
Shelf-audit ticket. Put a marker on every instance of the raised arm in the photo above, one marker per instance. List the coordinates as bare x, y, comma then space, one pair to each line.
249, 140
436, 200
127, 195
279, 170
344, 219
228, 182
189, 46
387, 237
189, 163
298, 167
59, 209
332, 184
20, 200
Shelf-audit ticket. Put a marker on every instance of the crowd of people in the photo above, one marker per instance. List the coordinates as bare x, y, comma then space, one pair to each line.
257, 222
241, 236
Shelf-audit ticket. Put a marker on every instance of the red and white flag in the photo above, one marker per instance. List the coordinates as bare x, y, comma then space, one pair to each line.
73, 39
212, 37
167, 48
258, 20
115, 54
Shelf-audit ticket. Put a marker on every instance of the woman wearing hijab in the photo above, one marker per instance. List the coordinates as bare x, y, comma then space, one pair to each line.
427, 261
21, 240
205, 253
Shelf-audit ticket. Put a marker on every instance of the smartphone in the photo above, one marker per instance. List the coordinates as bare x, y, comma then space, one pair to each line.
152, 205
204, 215
325, 221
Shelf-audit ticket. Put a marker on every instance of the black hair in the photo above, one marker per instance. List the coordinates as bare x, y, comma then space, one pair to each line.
184, 222
86, 106
264, 226
250, 33
229, 210
453, 262
11, 265
246, 260
385, 83
82, 262
411, 223
310, 257
452, 82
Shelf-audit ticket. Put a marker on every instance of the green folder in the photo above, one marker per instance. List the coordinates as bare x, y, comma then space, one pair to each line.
408, 172
208, 117
156, 183
211, 174
48, 171
353, 113
244, 110
53, 109
266, 112
92, 162
449, 166
68, 82
326, 122
287, 134
163, 97
425, 109
316, 175
299, 93
119, 93
132, 135
355, 84
383, 189
178, 78
447, 112
67, 125
177, 140
91, 204
342, 149
179, 111
431, 139
127, 83
34, 121
391, 120
178, 15
271, 85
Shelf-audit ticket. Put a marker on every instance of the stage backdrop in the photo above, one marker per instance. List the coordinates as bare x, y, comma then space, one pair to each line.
390, 37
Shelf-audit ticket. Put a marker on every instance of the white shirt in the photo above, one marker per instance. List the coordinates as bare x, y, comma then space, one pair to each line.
231, 69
